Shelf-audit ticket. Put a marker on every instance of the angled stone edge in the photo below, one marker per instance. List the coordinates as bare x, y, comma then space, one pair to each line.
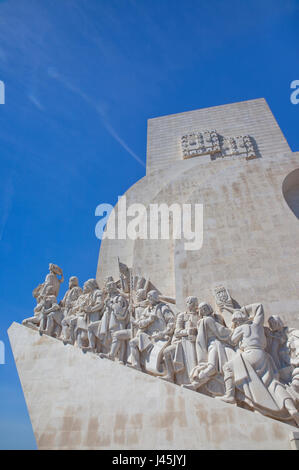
79, 401
294, 439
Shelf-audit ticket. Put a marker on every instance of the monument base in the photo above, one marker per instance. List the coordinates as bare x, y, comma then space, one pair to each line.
79, 401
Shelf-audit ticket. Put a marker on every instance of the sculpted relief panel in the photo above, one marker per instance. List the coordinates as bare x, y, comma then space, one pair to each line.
200, 143
226, 352
211, 143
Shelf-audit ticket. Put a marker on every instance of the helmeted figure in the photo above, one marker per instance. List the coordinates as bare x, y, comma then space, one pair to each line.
156, 323
251, 377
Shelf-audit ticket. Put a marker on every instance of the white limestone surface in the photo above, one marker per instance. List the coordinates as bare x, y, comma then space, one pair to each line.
250, 227
79, 401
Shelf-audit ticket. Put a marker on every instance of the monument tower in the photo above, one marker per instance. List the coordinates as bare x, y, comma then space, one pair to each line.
249, 193
136, 358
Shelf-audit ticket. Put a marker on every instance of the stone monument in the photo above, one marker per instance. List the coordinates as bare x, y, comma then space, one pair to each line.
170, 348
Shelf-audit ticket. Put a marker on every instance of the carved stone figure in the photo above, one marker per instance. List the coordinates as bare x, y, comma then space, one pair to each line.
206, 310
277, 338
68, 306
94, 328
180, 355
154, 330
213, 347
247, 363
35, 320
49, 305
115, 318
52, 280
120, 337
293, 344
251, 376
55, 319
87, 309
50, 286
68, 323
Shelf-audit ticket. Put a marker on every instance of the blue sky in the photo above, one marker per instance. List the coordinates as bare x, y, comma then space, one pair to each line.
82, 78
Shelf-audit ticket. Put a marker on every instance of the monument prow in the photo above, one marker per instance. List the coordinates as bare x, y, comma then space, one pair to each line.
79, 401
